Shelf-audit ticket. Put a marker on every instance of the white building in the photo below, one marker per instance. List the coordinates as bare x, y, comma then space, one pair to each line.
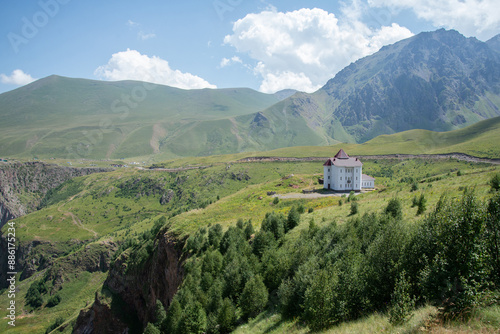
343, 173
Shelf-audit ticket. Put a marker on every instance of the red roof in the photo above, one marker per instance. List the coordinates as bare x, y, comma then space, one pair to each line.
341, 155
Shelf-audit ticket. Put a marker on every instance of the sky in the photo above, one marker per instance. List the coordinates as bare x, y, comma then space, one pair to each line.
265, 45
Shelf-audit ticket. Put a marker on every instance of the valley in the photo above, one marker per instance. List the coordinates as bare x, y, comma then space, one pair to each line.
112, 218
127, 206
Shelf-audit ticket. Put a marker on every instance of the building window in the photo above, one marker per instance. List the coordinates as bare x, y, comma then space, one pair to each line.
328, 169
341, 170
340, 186
341, 178
328, 177
356, 178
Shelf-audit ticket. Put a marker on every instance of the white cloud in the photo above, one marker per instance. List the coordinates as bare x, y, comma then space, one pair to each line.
479, 18
226, 62
304, 48
18, 78
132, 65
143, 36
131, 23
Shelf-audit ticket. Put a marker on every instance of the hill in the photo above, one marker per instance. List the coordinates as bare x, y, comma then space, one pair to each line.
64, 117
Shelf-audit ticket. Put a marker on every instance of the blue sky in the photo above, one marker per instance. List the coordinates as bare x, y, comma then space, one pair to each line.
264, 45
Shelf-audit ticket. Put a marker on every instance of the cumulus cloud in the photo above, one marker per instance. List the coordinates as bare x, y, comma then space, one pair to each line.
479, 18
226, 61
132, 65
304, 48
17, 77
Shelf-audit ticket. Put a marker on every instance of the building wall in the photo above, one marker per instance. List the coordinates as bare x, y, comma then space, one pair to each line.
368, 184
332, 178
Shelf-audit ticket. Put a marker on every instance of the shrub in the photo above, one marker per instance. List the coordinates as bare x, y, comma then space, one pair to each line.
54, 300
394, 208
34, 294
310, 210
414, 187
276, 200
58, 322
354, 208
495, 182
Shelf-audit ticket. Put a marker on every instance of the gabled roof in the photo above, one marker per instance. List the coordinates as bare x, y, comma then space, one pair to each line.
328, 162
341, 155
341, 159
365, 177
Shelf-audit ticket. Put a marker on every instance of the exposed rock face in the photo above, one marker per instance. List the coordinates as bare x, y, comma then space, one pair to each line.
139, 289
23, 185
99, 318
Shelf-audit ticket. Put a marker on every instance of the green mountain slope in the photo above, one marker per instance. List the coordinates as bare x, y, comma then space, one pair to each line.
65, 117
437, 81
479, 140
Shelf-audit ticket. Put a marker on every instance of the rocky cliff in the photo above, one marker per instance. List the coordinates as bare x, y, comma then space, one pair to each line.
23, 185
136, 290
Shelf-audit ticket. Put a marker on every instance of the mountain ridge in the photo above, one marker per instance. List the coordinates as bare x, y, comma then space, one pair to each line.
436, 81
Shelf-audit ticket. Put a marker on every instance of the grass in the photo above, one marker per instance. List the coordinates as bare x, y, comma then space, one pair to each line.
114, 206
75, 295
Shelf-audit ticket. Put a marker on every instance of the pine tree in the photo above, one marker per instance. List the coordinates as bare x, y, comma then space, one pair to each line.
254, 298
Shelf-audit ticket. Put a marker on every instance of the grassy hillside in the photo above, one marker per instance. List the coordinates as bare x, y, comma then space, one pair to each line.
94, 215
63, 117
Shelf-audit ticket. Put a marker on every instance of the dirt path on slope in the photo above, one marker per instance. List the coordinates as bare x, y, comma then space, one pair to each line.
75, 219
458, 156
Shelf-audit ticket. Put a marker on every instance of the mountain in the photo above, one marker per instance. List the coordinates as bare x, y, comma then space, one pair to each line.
494, 43
437, 81
68, 118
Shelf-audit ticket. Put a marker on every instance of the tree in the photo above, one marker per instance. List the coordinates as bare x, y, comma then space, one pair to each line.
493, 235
401, 303
254, 298
160, 313
215, 235
421, 205
227, 316
293, 219
263, 241
394, 208
249, 229
321, 304
173, 318
151, 329
274, 223
194, 319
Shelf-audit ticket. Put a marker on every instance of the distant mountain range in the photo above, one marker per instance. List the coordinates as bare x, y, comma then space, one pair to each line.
435, 81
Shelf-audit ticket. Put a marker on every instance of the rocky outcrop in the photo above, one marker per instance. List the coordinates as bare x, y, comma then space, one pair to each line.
23, 185
138, 289
99, 318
